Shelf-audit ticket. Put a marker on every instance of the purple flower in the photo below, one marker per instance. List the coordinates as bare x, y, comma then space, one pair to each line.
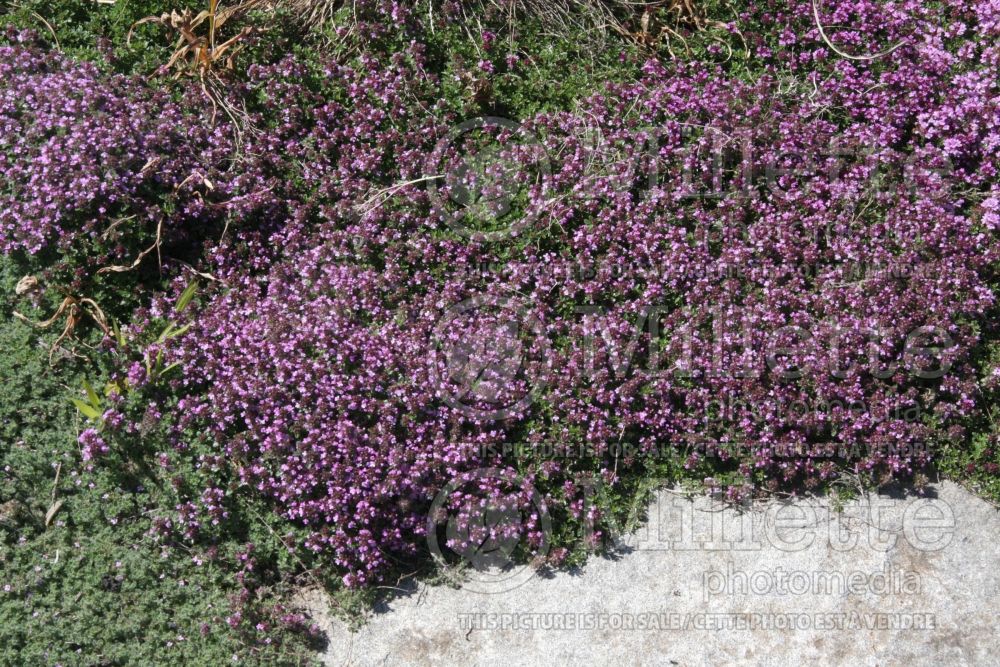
93, 446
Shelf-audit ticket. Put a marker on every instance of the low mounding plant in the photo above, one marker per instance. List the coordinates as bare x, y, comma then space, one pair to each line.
772, 283
105, 175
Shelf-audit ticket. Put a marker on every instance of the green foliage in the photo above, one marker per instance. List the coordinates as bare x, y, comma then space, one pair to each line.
83, 580
108, 34
97, 31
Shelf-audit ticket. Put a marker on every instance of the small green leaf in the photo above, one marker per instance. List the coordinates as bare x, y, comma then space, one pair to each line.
86, 409
179, 332
118, 334
170, 368
95, 400
186, 296
166, 333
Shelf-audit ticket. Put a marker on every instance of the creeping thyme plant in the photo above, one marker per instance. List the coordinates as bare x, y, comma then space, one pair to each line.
242, 313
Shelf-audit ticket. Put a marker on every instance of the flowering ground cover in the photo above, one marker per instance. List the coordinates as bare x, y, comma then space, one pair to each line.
341, 313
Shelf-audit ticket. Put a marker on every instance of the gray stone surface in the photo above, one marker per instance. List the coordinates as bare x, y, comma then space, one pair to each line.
920, 585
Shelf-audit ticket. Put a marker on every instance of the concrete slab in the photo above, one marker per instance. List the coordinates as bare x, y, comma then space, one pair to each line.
888, 581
